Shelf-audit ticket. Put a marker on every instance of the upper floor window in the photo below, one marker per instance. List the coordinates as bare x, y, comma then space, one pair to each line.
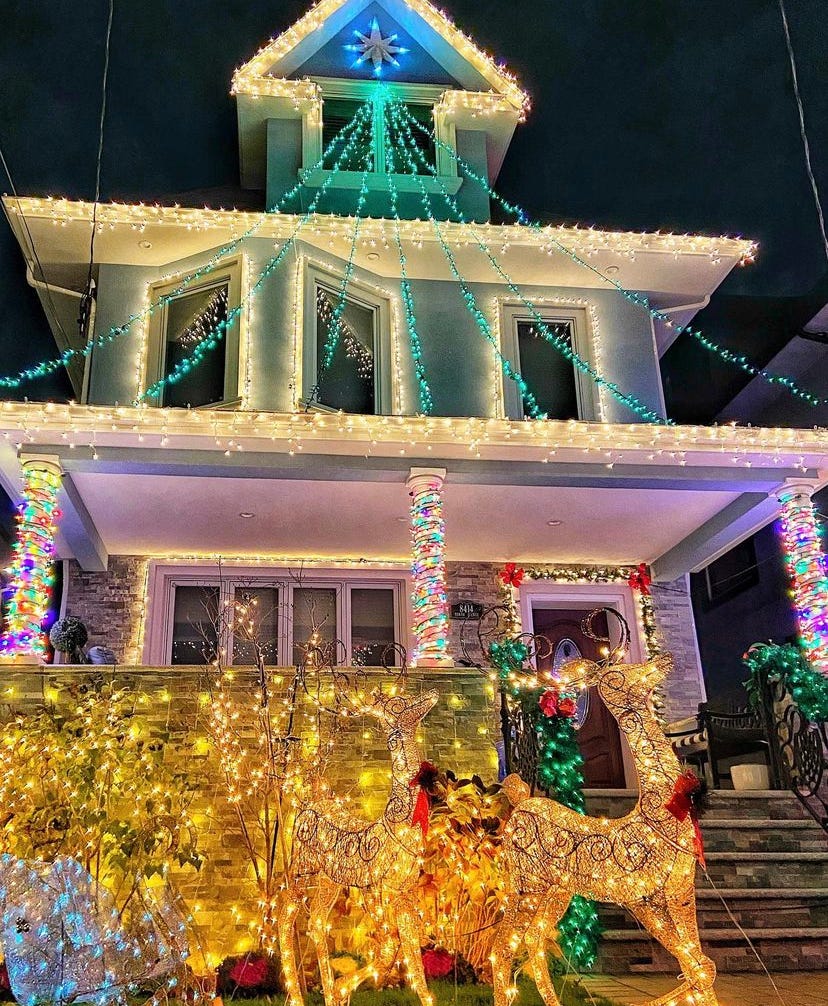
560, 388
185, 323
338, 112
346, 358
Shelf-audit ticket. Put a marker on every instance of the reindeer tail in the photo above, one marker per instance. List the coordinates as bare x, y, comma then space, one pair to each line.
516, 789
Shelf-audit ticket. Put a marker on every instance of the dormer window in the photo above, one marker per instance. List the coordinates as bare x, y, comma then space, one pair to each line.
338, 112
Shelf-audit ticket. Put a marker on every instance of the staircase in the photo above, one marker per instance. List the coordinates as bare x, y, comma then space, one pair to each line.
768, 859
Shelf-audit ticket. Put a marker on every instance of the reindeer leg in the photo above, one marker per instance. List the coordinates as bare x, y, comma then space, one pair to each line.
408, 926
286, 924
536, 939
320, 908
388, 942
507, 941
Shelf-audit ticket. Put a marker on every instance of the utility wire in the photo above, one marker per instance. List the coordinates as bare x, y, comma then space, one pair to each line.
86, 300
802, 132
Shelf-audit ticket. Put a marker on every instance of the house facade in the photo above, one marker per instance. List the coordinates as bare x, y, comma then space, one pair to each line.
357, 401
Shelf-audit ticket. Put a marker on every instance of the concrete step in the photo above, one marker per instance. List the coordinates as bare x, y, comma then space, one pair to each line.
728, 804
781, 949
794, 908
775, 870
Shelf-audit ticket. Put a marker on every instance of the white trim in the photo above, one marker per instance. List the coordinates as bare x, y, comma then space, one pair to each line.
163, 578
315, 275
553, 312
151, 366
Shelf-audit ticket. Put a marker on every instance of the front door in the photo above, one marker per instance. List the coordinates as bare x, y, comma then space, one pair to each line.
598, 736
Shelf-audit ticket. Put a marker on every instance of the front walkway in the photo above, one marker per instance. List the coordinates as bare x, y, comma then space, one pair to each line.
806, 988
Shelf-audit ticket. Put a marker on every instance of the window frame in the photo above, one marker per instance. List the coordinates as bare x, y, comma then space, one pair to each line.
316, 276
230, 272
577, 318
165, 578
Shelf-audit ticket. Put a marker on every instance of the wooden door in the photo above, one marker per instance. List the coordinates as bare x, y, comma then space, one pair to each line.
598, 738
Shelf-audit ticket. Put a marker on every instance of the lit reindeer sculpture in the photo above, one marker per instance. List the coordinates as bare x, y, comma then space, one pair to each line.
333, 849
644, 861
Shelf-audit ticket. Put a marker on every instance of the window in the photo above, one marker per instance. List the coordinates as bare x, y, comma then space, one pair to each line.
338, 112
186, 322
731, 573
346, 365
350, 621
562, 391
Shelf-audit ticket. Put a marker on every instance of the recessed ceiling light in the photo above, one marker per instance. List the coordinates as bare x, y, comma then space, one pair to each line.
145, 244
372, 256
403, 520
554, 523
246, 514
611, 270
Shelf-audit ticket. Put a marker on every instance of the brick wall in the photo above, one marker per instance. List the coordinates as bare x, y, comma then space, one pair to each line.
677, 631
111, 604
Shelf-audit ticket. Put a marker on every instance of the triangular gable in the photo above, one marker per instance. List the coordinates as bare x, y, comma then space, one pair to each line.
285, 57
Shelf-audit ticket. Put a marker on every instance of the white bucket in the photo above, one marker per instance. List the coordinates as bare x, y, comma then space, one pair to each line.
750, 776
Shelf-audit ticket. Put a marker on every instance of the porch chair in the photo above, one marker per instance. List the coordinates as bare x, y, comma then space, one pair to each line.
712, 735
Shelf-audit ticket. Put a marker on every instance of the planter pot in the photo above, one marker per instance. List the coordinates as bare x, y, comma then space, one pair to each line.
750, 777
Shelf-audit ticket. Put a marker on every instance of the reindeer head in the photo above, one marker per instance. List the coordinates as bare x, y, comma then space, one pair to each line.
612, 678
401, 712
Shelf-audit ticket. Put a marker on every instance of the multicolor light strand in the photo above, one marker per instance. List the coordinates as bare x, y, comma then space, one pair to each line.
808, 570
428, 599
31, 573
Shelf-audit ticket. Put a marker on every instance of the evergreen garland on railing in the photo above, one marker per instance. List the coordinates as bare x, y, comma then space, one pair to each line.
788, 666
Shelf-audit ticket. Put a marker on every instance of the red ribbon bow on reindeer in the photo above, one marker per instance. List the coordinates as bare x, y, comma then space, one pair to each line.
512, 575
681, 806
640, 579
424, 776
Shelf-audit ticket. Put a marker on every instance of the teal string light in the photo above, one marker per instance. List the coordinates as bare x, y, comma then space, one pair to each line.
423, 390
335, 326
403, 118
214, 336
632, 296
46, 367
469, 299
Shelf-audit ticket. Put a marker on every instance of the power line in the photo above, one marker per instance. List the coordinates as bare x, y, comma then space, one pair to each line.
802, 132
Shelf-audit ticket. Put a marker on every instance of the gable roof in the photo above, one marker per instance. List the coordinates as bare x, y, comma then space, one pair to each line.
268, 72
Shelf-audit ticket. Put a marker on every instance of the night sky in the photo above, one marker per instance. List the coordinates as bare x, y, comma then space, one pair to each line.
676, 114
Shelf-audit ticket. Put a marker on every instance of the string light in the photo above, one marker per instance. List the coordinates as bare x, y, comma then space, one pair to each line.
808, 570
640, 300
429, 601
401, 119
31, 575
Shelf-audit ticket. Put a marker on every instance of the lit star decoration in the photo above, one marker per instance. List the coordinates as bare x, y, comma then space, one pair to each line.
31, 575
806, 563
375, 48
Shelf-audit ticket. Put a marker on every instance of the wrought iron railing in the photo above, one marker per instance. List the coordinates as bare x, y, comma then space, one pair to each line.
798, 750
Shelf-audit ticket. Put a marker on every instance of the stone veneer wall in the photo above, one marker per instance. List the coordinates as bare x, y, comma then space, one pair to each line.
457, 735
112, 605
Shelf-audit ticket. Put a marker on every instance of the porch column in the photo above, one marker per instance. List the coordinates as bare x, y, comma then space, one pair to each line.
431, 621
32, 575
807, 567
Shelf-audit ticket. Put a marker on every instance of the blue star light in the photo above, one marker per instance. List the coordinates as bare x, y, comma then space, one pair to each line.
376, 49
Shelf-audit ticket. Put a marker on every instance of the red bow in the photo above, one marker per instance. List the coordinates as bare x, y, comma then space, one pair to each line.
640, 579
681, 806
552, 704
512, 575
424, 776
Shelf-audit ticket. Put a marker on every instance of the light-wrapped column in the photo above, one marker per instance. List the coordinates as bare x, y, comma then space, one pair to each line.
428, 569
807, 567
31, 573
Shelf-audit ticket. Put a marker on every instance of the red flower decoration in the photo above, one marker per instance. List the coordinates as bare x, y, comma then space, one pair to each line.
437, 963
512, 575
247, 973
567, 707
640, 579
548, 703
681, 806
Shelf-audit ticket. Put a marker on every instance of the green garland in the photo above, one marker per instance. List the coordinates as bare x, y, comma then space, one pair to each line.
560, 771
789, 666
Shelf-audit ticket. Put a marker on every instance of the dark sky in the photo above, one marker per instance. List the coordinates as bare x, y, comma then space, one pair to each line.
674, 114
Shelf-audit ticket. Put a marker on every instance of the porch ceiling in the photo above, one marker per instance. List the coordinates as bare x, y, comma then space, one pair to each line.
178, 514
